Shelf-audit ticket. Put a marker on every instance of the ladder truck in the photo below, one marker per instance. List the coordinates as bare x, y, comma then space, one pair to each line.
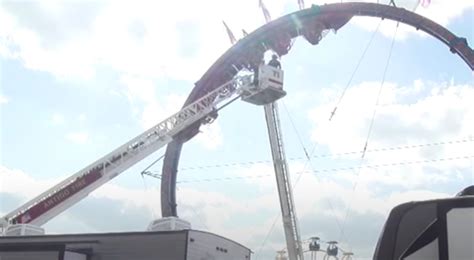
29, 217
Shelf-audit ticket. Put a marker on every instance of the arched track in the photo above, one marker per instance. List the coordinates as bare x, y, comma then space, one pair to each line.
277, 35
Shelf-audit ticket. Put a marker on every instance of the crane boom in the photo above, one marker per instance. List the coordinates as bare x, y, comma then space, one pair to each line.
76, 187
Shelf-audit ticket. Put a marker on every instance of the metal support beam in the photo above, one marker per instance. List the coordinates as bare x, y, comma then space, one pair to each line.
290, 222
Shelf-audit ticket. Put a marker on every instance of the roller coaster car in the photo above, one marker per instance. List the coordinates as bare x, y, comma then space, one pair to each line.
433, 229
267, 89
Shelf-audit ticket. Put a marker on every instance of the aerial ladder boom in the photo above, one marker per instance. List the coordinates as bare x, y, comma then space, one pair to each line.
287, 204
71, 190
270, 89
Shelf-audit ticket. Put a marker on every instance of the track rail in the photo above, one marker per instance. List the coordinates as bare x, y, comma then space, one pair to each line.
248, 52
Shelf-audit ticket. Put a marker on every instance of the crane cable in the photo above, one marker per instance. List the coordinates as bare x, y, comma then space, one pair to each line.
369, 132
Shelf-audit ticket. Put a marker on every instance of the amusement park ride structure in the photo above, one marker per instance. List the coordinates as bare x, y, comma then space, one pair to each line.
220, 86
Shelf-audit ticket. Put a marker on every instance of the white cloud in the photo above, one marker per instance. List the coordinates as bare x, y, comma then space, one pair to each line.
82, 117
3, 100
316, 199
151, 108
149, 39
57, 119
147, 104
148, 199
17, 182
78, 137
155, 112
215, 209
444, 11
405, 114
210, 136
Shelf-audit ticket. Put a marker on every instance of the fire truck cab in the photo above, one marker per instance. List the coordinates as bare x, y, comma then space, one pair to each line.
432, 229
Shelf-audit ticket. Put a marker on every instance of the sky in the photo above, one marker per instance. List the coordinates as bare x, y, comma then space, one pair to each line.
80, 78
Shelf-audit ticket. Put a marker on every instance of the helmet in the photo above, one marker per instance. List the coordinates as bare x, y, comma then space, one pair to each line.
274, 56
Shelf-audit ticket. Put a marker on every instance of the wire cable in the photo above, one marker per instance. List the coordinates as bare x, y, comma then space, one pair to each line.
149, 166
153, 215
277, 217
335, 155
332, 170
355, 71
377, 103
369, 132
296, 131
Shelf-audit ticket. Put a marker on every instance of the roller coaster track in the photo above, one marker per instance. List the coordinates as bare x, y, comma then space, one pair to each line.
276, 36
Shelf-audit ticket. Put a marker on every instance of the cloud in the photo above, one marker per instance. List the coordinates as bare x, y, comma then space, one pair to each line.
151, 107
406, 114
78, 137
82, 117
429, 124
47, 37
321, 206
57, 119
3, 100
149, 39
21, 184
109, 201
322, 199
210, 136
217, 210
146, 101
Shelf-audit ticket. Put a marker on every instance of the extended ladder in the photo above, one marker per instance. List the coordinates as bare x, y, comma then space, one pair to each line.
71, 190
290, 222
